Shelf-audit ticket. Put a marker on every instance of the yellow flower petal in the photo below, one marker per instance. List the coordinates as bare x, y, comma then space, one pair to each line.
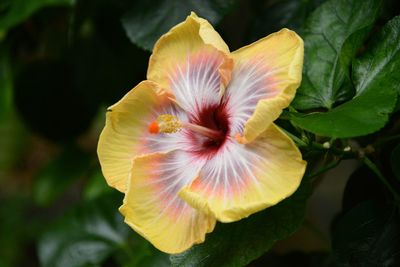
268, 71
126, 135
191, 61
244, 179
153, 208
182, 40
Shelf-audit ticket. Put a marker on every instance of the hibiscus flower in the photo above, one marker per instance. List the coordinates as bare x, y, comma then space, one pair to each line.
195, 142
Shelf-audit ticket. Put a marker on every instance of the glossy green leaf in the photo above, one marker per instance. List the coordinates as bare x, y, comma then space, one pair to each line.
146, 21
237, 244
377, 83
379, 66
93, 232
362, 115
87, 235
59, 173
368, 235
16, 11
395, 161
332, 36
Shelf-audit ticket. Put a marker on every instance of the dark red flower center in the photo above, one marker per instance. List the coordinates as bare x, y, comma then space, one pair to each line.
215, 118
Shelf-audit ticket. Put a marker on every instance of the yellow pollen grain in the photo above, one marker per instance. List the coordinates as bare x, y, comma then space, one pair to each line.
168, 123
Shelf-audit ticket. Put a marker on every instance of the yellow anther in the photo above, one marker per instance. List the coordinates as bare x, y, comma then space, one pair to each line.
168, 123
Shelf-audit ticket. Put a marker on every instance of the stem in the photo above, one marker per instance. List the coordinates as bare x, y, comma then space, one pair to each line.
297, 140
324, 169
375, 170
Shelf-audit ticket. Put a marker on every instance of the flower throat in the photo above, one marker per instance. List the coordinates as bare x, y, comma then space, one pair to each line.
211, 122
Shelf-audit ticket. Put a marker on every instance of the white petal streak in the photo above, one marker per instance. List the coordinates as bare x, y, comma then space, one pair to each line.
250, 82
196, 83
153, 208
153, 143
175, 171
227, 173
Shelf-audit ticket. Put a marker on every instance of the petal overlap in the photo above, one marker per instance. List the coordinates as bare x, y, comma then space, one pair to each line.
153, 208
264, 81
125, 135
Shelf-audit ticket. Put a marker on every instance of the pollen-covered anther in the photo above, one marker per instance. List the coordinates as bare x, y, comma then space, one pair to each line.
165, 123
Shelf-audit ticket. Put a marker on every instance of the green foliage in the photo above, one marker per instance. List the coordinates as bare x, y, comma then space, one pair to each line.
275, 15
12, 142
85, 236
16, 11
14, 231
90, 233
378, 67
377, 86
237, 244
96, 186
332, 35
5, 84
71, 164
368, 235
159, 16
12, 131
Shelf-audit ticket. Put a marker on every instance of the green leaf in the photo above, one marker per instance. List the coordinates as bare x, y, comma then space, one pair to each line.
332, 36
87, 235
13, 141
362, 115
237, 244
275, 15
13, 134
149, 257
96, 186
397, 107
377, 85
368, 235
146, 21
6, 84
379, 66
395, 161
16, 11
71, 164
14, 233
93, 232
